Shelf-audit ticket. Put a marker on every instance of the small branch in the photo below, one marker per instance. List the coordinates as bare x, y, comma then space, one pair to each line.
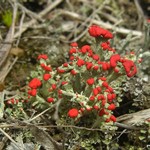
29, 12
117, 138
41, 14
140, 13
76, 16
108, 17
121, 125
87, 22
20, 27
43, 112
21, 124
57, 105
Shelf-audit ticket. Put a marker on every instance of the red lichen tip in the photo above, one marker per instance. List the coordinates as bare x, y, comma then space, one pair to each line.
64, 82
103, 112
92, 98
90, 81
130, 68
46, 76
113, 118
73, 72
74, 44
73, 113
35, 83
111, 107
95, 91
50, 99
42, 56
45, 67
60, 70
114, 59
89, 65
72, 50
85, 49
54, 86
96, 31
148, 20
80, 62
105, 45
105, 84
32, 92
96, 57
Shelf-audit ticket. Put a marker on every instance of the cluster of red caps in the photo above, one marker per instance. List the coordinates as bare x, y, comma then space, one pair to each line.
13, 101
102, 99
36, 83
93, 62
82, 60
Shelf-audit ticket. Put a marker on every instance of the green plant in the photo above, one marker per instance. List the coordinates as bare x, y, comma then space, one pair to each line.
7, 18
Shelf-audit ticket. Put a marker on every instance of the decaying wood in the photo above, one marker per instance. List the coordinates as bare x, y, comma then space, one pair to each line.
5, 47
135, 118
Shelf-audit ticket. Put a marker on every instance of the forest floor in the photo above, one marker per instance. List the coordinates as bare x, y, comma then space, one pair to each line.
29, 28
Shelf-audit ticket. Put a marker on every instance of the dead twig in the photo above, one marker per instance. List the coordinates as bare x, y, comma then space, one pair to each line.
41, 14
121, 125
40, 114
140, 13
109, 17
20, 28
89, 19
30, 13
78, 17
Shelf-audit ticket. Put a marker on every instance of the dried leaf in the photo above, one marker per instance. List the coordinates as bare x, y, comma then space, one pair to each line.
17, 51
